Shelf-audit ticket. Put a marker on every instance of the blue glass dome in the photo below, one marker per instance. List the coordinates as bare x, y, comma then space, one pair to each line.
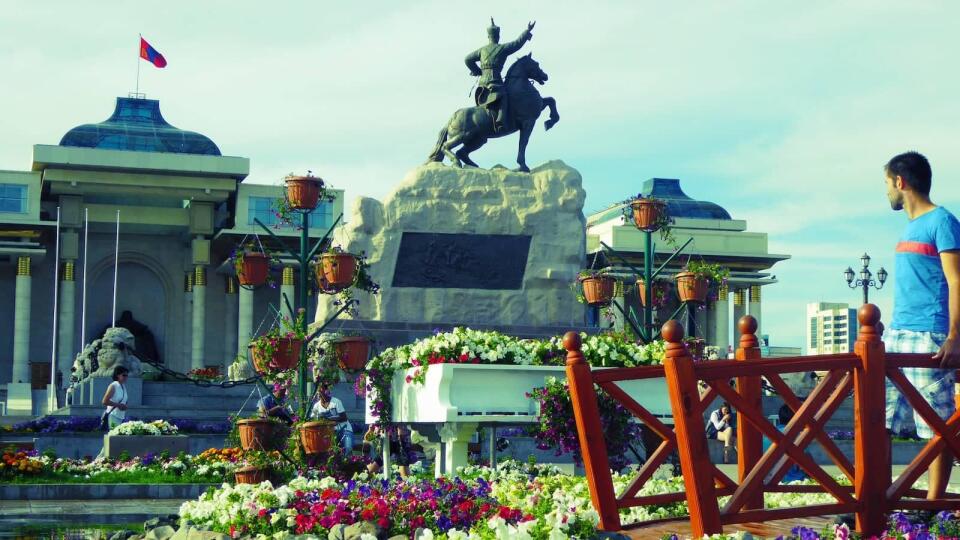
136, 124
679, 204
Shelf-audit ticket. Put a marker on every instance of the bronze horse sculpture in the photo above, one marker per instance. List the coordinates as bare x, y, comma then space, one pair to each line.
470, 127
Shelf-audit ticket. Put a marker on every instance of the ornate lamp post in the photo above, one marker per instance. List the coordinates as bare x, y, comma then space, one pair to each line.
866, 278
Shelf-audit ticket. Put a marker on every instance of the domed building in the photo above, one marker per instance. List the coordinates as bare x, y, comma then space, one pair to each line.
182, 208
614, 242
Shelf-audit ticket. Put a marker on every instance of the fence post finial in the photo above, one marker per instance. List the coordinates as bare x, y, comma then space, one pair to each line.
748, 332
572, 343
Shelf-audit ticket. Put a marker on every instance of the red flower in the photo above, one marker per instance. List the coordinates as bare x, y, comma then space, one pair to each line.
383, 522
409, 378
366, 514
262, 513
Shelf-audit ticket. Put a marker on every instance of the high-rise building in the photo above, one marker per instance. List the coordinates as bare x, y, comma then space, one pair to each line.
831, 328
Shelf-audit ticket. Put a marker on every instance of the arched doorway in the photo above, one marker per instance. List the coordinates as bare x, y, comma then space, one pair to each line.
139, 290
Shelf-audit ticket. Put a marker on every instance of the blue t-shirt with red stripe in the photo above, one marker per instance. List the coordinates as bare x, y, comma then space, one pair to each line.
920, 301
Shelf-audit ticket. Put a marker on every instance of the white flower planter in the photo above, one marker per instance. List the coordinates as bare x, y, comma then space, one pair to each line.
455, 398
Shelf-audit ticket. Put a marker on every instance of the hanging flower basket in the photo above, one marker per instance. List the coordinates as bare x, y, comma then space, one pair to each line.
303, 192
649, 214
251, 475
339, 269
281, 356
659, 290
691, 287
352, 352
316, 437
598, 290
256, 433
252, 268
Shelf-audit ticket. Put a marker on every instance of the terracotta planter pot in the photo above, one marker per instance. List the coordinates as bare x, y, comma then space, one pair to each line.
692, 288
648, 214
316, 437
286, 356
303, 192
256, 434
254, 269
598, 291
339, 269
352, 352
659, 290
251, 475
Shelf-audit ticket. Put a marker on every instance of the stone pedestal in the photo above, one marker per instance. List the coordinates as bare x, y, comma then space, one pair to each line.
19, 399
462, 246
141, 445
97, 386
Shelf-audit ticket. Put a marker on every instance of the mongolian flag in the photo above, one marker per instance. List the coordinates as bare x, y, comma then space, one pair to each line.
151, 55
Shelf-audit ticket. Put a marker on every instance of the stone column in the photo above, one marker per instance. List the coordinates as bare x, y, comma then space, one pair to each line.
66, 330
21, 323
230, 323
720, 314
454, 438
244, 320
198, 349
754, 309
739, 310
187, 321
288, 289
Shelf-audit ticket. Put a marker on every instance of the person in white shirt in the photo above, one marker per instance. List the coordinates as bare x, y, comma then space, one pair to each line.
115, 398
721, 427
331, 408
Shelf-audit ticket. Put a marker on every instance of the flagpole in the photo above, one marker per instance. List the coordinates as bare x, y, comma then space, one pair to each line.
137, 91
52, 400
116, 266
83, 307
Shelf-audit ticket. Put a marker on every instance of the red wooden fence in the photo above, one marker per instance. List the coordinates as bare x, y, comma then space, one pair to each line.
863, 373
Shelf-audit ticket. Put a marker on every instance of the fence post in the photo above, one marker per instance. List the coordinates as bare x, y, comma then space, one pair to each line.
749, 438
593, 447
689, 429
872, 475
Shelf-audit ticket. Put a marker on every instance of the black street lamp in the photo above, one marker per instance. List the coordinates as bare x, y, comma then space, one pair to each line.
866, 278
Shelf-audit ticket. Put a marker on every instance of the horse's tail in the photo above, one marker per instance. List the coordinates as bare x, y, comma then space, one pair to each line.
437, 154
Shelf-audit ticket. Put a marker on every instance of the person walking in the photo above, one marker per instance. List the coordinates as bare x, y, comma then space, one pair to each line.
116, 397
926, 302
331, 408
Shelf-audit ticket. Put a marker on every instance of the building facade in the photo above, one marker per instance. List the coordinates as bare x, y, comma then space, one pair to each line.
182, 207
831, 328
716, 238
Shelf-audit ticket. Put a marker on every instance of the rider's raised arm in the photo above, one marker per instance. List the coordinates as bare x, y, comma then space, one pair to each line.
515, 45
471, 61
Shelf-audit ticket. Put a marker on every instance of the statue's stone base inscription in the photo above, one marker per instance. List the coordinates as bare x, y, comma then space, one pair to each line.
465, 261
543, 209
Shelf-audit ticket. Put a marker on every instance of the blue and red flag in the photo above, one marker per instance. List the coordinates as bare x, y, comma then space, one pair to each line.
151, 55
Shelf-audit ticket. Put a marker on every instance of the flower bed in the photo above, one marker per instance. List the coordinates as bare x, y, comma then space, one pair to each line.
86, 424
463, 345
944, 526
155, 428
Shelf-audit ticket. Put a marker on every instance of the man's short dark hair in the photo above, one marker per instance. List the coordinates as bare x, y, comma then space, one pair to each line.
913, 168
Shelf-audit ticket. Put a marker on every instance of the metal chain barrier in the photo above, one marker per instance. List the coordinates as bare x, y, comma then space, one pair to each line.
200, 382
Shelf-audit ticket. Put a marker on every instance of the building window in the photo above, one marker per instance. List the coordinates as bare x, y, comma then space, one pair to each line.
13, 198
262, 208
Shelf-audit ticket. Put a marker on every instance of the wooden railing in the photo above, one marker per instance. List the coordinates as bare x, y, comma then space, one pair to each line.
871, 493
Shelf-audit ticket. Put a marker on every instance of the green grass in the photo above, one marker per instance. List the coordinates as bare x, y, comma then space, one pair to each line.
111, 477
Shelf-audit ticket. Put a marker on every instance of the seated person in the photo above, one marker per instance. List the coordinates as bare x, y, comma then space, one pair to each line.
722, 426
399, 449
331, 408
275, 407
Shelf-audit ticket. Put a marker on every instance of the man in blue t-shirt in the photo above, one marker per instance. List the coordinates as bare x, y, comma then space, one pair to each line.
926, 302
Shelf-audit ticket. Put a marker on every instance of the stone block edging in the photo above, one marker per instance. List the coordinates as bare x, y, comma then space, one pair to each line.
51, 492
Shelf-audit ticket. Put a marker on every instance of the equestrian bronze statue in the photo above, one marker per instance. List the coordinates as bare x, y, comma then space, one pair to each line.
504, 105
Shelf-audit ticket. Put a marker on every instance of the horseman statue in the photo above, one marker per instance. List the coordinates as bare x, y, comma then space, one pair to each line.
504, 105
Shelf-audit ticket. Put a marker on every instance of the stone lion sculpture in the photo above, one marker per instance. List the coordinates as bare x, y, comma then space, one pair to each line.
115, 348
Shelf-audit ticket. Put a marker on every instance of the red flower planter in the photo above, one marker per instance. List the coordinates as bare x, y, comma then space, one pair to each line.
250, 475
692, 288
284, 357
303, 192
316, 437
598, 291
253, 269
339, 269
255, 433
648, 214
352, 352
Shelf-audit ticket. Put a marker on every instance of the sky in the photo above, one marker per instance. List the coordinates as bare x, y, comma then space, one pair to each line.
782, 113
